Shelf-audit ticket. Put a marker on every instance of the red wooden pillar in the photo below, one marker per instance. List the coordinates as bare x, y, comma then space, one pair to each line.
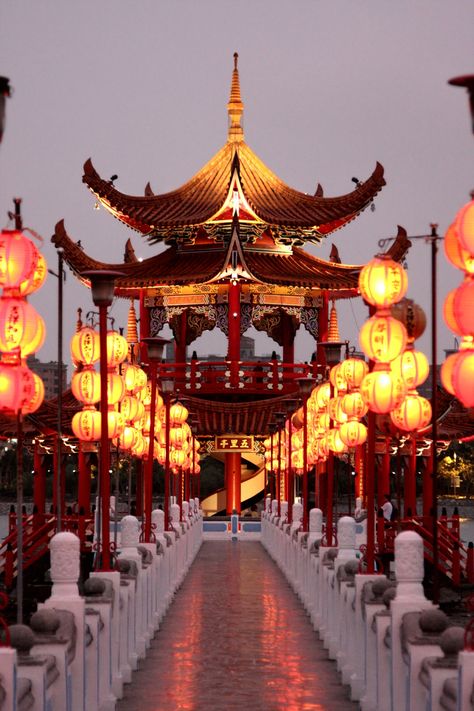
180, 342
329, 497
428, 483
323, 493
323, 321
288, 334
410, 481
233, 350
84, 481
139, 487
383, 484
39, 481
291, 476
233, 466
61, 472
359, 469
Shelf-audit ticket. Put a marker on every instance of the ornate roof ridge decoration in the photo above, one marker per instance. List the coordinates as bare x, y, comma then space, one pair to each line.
291, 214
181, 267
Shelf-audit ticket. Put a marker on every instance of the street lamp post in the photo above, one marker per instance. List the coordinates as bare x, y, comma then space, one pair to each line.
102, 287
155, 346
167, 386
305, 386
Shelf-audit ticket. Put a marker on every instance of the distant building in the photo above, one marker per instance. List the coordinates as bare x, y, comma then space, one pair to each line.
48, 373
247, 352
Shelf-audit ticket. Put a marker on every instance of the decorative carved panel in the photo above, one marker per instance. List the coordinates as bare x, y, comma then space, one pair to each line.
222, 311
309, 319
158, 318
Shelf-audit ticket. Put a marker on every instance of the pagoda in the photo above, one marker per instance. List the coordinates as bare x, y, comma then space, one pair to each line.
233, 257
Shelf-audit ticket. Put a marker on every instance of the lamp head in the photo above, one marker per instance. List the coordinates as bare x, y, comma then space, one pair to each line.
155, 347
102, 285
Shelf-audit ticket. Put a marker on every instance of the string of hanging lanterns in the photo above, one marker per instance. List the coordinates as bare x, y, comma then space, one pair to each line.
457, 370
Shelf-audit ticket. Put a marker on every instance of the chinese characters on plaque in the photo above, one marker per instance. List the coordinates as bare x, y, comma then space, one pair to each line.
233, 443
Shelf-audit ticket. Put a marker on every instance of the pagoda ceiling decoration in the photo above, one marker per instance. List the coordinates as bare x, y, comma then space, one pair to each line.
234, 182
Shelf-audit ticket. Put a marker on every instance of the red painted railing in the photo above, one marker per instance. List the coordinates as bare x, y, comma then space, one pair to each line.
38, 529
454, 559
258, 377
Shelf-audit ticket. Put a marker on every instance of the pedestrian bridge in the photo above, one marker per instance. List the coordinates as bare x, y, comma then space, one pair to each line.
280, 621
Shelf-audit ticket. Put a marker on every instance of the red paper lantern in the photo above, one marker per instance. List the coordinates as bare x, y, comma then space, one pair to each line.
382, 338
177, 457
85, 386
354, 370
134, 377
413, 368
455, 253
413, 413
354, 405
463, 377
18, 258
412, 316
117, 349
37, 277
21, 327
128, 437
382, 390
383, 282
447, 372
85, 348
86, 424
17, 387
178, 414
459, 308
38, 396
464, 224
115, 388
353, 433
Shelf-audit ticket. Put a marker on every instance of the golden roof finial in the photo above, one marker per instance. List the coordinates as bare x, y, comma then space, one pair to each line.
235, 107
79, 323
333, 330
132, 332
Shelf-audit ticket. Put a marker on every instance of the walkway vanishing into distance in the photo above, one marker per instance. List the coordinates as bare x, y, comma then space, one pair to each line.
235, 637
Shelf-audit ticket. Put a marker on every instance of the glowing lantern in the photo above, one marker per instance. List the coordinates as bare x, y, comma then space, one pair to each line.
354, 405
177, 457
140, 447
18, 258
459, 308
130, 408
464, 225
117, 349
21, 327
413, 413
322, 422
335, 442
323, 393
134, 377
447, 373
128, 437
85, 347
86, 424
412, 366
178, 437
37, 277
297, 419
197, 445
17, 387
353, 433
116, 423
337, 377
383, 282
382, 390
354, 370
178, 414
382, 338
115, 388
161, 454
455, 253
462, 377
336, 413
85, 386
297, 459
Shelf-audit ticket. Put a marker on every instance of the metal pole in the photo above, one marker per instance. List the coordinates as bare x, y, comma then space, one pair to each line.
104, 496
305, 466
167, 461
151, 447
434, 408
59, 483
19, 516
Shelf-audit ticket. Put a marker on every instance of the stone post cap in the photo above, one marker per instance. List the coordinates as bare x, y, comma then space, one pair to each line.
65, 557
451, 641
346, 532
22, 638
409, 564
274, 509
94, 586
158, 520
316, 521
433, 621
174, 513
130, 532
45, 621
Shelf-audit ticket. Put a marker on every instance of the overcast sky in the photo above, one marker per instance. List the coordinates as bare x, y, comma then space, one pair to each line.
329, 86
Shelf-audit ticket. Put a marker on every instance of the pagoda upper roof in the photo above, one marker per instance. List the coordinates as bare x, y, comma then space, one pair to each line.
206, 198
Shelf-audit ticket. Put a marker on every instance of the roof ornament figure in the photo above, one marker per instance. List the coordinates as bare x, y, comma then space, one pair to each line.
333, 329
235, 107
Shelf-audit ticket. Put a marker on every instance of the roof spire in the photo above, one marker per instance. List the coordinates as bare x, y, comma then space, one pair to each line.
333, 330
235, 107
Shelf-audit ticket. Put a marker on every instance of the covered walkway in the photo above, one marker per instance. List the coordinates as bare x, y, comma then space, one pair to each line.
236, 637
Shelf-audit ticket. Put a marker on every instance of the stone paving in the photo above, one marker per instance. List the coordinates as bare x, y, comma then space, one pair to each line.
235, 637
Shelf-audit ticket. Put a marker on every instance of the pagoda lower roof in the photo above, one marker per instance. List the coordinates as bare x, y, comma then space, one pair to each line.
200, 199
181, 266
